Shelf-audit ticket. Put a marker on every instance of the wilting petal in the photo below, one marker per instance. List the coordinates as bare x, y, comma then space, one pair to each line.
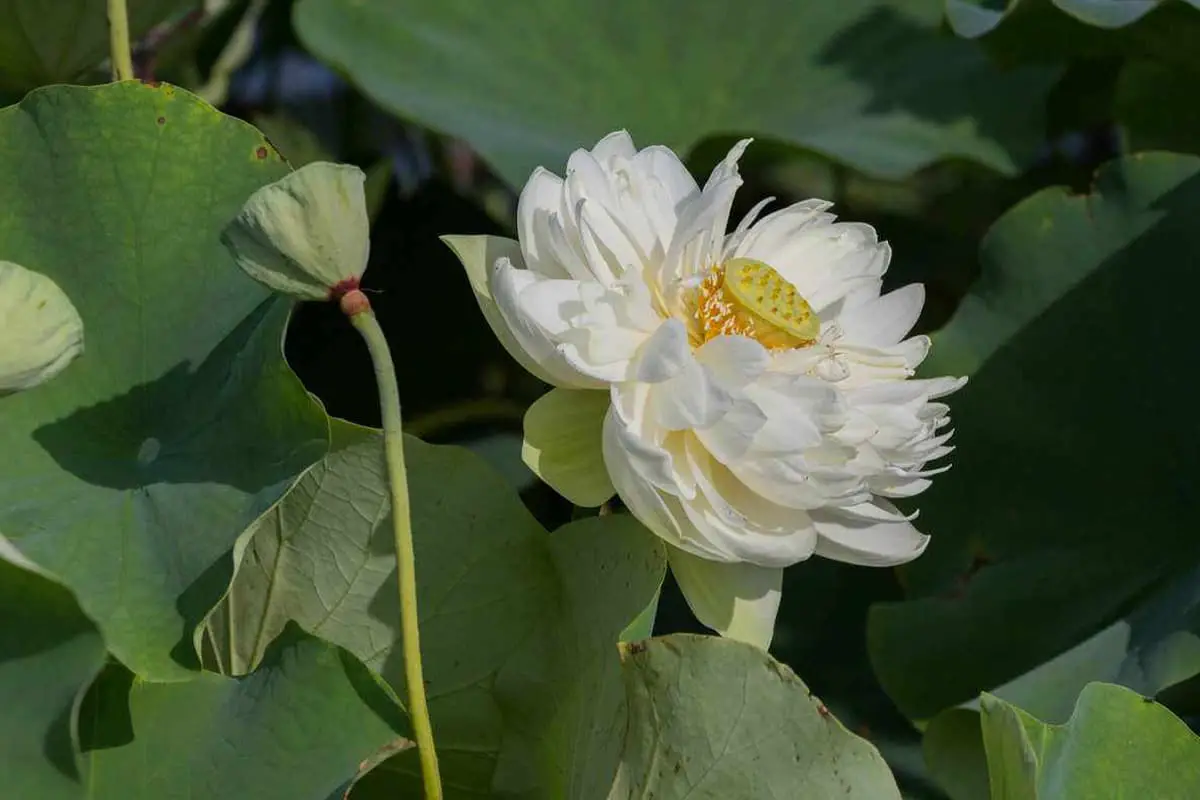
40, 330
563, 444
306, 233
737, 600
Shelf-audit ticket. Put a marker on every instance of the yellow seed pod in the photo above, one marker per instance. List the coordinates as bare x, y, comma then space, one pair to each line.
765, 293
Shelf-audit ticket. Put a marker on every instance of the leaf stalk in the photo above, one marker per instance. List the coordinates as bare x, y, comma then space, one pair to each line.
357, 307
118, 41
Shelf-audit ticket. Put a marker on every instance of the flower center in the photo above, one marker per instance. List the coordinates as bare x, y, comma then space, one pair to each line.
744, 297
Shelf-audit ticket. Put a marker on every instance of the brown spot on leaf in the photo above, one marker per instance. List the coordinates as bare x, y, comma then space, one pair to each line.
261, 152
162, 120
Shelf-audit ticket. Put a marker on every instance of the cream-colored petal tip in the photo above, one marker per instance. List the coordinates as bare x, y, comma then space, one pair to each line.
307, 233
40, 330
738, 600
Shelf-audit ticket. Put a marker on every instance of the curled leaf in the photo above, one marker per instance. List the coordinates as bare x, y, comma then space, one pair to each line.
40, 330
307, 234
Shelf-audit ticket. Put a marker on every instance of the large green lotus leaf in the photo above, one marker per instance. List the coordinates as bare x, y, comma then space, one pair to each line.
1116, 744
954, 755
1065, 505
131, 475
518, 628
49, 653
1151, 649
38, 47
298, 728
1154, 103
1050, 30
871, 83
714, 718
561, 694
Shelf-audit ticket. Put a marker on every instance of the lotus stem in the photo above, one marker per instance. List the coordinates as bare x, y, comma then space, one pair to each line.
118, 41
357, 307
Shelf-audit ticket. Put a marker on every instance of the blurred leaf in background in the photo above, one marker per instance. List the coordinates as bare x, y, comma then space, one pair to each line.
38, 47
870, 83
1068, 502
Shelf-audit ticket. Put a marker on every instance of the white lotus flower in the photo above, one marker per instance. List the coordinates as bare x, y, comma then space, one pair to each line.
757, 407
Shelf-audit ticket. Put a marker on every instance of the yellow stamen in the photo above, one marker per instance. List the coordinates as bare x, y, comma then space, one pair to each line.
748, 298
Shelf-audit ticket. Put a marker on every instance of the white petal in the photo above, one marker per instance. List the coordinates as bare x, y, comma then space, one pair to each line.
650, 507
665, 353
617, 144
540, 198
903, 392
664, 167
787, 481
887, 486
885, 320
867, 543
40, 330
505, 285
478, 254
733, 361
556, 305
691, 399
564, 444
734, 240
595, 329
648, 460
739, 523
732, 436
738, 600
659, 186
700, 237
799, 410
771, 232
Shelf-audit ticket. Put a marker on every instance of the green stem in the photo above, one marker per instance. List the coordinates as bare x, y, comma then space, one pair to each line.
118, 41
363, 318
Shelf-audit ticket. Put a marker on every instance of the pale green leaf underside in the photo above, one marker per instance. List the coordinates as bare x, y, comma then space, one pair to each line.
1116, 744
712, 719
542, 613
